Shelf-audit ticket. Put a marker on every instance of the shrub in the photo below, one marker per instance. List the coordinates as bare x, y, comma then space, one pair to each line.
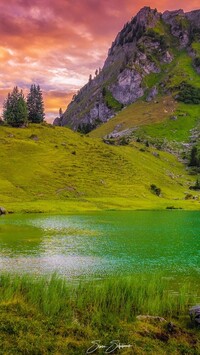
196, 186
156, 190
188, 94
124, 141
86, 128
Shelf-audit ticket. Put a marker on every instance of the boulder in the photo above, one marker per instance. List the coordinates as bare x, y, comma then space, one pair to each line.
194, 313
2, 210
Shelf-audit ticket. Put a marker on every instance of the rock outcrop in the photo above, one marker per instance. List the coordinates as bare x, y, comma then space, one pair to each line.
2, 210
140, 49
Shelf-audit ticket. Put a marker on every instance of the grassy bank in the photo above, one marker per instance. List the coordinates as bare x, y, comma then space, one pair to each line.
40, 316
52, 169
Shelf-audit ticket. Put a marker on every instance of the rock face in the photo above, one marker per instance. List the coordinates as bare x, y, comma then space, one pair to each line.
127, 88
152, 94
179, 26
141, 48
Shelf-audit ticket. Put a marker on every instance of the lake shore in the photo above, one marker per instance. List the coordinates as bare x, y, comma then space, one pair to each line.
99, 204
42, 315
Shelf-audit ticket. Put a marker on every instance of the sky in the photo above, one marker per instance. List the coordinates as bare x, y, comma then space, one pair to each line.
59, 43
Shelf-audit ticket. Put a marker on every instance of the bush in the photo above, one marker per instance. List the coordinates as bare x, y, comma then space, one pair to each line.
86, 128
156, 190
124, 141
196, 186
188, 94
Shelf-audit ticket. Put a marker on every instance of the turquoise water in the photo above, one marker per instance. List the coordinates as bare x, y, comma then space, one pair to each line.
101, 244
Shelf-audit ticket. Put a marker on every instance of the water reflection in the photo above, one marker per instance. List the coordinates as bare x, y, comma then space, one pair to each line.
101, 243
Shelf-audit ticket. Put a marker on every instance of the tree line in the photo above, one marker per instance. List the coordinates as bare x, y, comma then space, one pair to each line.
18, 110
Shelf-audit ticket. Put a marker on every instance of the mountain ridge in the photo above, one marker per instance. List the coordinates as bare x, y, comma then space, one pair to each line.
145, 46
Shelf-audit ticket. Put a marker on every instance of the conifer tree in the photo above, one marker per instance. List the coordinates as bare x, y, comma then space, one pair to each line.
35, 105
60, 112
15, 109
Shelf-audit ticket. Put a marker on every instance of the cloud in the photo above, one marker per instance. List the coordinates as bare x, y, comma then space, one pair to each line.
57, 44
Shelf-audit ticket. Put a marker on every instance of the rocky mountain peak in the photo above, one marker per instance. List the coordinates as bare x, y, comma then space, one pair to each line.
169, 16
146, 42
133, 30
147, 17
194, 18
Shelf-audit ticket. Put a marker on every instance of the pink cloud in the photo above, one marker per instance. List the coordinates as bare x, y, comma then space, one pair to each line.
57, 44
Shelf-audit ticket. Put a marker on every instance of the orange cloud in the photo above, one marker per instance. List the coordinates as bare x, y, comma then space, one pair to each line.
55, 100
57, 44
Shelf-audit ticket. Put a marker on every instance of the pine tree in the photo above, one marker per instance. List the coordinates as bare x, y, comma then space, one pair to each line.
60, 112
194, 161
35, 105
90, 78
15, 109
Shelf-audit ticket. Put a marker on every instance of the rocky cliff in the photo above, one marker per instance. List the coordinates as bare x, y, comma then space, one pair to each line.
145, 46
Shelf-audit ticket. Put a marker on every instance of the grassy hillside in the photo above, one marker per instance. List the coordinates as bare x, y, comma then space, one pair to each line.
164, 119
138, 114
177, 128
52, 169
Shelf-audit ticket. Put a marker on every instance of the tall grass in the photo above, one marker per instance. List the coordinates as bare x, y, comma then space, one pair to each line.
99, 302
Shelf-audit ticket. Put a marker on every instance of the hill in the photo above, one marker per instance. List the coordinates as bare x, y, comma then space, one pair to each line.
53, 169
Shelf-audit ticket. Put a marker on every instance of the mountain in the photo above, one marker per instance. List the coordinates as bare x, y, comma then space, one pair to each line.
155, 55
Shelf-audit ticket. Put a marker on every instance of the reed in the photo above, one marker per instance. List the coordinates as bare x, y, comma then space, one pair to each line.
120, 297
42, 315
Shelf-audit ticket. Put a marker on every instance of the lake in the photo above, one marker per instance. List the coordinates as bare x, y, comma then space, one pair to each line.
100, 244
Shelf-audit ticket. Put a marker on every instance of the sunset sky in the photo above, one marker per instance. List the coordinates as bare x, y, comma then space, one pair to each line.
58, 43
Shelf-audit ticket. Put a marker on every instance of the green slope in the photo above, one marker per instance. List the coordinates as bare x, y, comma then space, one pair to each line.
178, 129
164, 119
52, 169
138, 114
150, 120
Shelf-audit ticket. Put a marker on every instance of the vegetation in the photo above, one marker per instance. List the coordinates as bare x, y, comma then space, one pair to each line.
35, 105
156, 190
196, 186
157, 37
138, 114
195, 156
181, 68
189, 94
15, 109
44, 174
111, 102
86, 127
197, 61
18, 112
52, 316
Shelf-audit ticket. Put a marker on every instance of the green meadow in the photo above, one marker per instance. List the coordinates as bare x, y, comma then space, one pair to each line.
52, 169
